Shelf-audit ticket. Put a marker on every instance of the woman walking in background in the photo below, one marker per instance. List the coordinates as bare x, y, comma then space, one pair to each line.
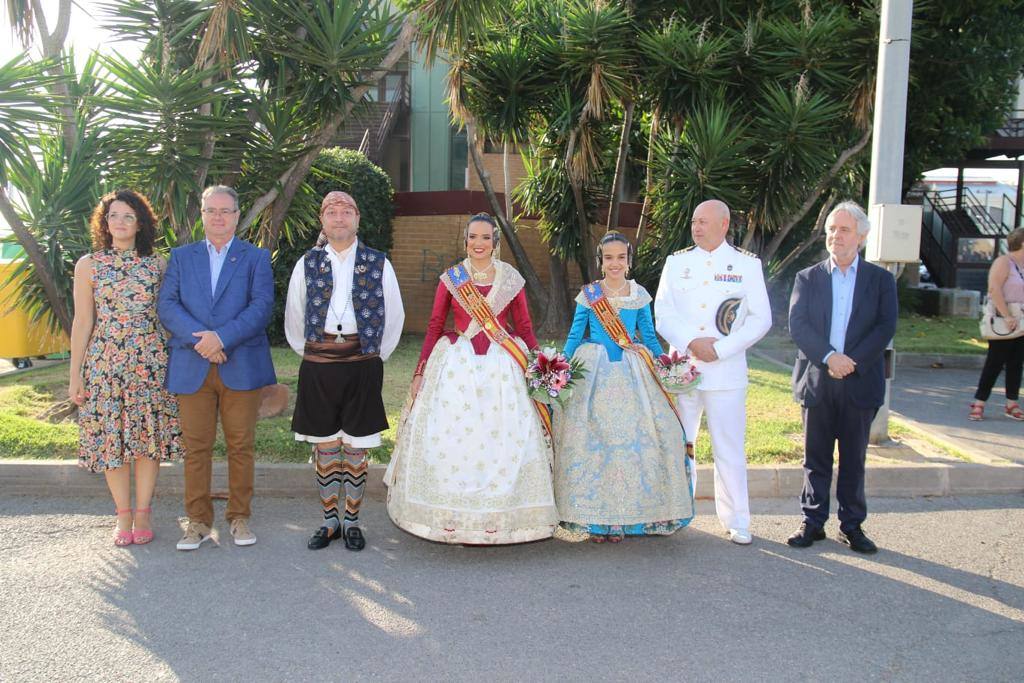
119, 359
1005, 287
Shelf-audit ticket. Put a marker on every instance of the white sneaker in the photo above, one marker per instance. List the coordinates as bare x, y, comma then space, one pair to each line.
241, 532
740, 536
196, 533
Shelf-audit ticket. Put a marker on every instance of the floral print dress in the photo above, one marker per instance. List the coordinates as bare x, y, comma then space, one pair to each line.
127, 413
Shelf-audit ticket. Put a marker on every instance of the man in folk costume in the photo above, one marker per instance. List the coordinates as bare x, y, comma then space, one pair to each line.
712, 304
344, 317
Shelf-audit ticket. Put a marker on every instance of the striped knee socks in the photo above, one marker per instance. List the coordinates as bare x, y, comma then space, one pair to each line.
328, 478
354, 475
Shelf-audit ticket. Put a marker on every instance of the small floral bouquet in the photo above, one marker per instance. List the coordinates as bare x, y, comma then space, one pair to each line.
550, 376
677, 372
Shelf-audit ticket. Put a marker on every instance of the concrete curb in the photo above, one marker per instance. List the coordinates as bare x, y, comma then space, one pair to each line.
42, 477
960, 361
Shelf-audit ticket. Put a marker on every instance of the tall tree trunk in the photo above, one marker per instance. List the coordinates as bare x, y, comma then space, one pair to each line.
648, 182
620, 167
506, 179
53, 45
582, 222
283, 192
534, 286
819, 227
558, 312
59, 306
840, 162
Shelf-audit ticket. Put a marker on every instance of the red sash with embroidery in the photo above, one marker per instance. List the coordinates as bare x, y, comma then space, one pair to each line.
476, 305
612, 324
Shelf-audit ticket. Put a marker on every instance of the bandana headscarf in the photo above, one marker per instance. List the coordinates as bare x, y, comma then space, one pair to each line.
336, 197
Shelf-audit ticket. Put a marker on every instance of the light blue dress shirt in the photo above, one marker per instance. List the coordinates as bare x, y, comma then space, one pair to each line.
216, 262
842, 304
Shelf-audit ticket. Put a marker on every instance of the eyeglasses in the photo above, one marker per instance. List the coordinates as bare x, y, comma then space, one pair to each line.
128, 218
219, 212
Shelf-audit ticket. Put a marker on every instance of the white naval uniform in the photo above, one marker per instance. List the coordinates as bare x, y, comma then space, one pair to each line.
693, 284
340, 312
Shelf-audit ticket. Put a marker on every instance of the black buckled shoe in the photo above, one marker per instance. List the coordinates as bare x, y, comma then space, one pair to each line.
321, 539
858, 541
354, 539
806, 535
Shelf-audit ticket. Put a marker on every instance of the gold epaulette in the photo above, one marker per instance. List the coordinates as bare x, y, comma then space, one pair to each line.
747, 253
683, 251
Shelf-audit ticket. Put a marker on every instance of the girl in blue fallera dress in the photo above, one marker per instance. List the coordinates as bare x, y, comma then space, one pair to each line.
621, 467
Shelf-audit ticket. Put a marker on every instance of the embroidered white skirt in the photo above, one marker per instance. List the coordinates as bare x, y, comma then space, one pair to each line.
471, 462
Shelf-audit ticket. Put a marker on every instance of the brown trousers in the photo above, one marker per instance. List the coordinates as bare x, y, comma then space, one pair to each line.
198, 414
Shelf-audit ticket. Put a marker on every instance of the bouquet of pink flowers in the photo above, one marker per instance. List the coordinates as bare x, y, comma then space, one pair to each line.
678, 373
550, 376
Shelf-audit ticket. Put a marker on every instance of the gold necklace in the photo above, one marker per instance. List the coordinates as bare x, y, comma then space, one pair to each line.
480, 275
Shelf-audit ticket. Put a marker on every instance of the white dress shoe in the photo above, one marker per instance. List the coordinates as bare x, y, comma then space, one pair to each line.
740, 536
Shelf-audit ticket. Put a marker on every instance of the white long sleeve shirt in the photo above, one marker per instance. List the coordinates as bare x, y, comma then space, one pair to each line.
340, 310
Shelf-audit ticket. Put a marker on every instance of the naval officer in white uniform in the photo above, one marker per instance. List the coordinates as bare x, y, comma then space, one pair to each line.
712, 303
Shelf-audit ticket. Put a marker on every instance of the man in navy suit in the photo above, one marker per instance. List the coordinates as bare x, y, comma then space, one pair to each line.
842, 315
216, 301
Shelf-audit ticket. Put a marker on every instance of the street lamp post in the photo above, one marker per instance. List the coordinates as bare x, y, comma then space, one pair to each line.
887, 139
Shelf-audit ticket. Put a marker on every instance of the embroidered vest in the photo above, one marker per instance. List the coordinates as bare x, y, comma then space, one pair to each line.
367, 295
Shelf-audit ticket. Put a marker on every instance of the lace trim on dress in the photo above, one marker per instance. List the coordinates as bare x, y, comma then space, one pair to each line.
507, 283
637, 298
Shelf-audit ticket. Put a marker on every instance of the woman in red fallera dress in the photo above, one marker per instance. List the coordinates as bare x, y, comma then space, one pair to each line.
472, 461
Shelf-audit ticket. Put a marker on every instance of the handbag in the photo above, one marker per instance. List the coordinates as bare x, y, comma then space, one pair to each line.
993, 325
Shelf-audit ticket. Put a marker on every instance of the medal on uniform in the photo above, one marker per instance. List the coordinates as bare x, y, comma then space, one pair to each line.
727, 313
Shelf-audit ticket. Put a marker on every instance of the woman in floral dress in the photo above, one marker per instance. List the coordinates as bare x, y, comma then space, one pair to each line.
119, 359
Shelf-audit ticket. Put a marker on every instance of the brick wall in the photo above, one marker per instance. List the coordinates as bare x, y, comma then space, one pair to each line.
492, 162
424, 245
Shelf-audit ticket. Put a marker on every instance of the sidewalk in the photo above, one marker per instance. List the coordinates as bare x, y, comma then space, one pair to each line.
936, 401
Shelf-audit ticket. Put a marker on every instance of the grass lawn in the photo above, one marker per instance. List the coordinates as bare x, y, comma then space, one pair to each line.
773, 423
914, 334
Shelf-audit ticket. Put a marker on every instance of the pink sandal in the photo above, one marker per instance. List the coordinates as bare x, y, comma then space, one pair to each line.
122, 537
142, 536
977, 413
1014, 412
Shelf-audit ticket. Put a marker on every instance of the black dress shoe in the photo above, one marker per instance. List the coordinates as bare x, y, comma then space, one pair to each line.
321, 539
806, 535
354, 539
858, 541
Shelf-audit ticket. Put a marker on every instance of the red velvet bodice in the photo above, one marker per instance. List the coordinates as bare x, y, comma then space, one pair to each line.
443, 302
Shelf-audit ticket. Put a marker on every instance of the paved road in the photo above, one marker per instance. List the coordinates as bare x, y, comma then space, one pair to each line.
944, 600
938, 399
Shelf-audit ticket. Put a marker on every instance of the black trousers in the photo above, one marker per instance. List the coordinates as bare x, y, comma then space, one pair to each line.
835, 418
1008, 353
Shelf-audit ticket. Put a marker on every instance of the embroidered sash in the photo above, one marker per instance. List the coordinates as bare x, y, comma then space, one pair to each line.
470, 298
612, 324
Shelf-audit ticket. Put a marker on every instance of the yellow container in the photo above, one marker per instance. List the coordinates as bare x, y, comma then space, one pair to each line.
19, 336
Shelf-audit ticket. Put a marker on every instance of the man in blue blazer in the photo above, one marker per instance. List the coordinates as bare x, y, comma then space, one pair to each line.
842, 315
216, 301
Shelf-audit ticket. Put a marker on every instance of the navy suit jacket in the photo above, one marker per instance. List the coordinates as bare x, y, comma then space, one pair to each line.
239, 312
872, 325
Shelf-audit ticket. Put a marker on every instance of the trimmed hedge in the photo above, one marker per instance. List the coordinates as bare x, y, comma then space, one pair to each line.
337, 169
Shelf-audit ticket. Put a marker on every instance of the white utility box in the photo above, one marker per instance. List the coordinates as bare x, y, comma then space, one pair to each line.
895, 235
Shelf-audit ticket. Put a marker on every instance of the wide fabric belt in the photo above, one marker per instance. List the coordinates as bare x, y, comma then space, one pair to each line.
347, 350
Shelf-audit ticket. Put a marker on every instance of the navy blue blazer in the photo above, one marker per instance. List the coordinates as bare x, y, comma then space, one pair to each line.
239, 312
872, 325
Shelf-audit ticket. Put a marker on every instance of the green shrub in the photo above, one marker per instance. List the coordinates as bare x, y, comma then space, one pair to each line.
352, 172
